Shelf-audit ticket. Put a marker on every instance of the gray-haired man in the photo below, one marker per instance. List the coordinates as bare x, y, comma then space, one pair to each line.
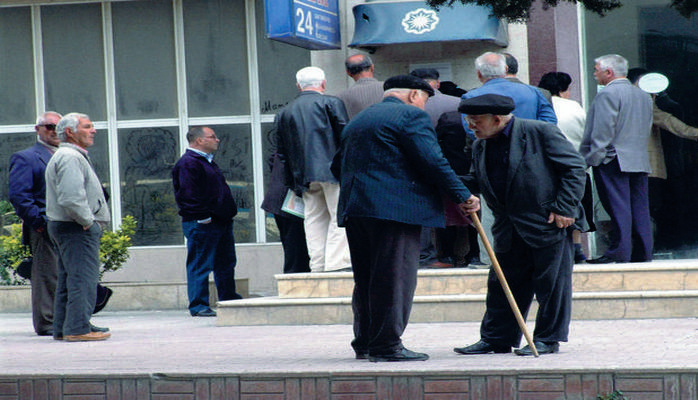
77, 212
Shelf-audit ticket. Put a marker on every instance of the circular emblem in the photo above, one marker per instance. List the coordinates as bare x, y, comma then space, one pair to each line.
420, 21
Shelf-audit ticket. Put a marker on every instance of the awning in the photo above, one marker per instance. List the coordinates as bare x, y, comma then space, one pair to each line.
383, 23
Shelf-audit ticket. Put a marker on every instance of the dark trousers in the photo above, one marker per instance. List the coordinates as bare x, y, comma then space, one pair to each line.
78, 275
624, 196
43, 280
292, 234
385, 260
452, 242
544, 272
210, 247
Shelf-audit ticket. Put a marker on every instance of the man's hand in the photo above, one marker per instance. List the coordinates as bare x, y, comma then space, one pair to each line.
560, 221
470, 206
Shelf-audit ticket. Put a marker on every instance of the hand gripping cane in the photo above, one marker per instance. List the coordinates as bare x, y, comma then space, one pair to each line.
503, 282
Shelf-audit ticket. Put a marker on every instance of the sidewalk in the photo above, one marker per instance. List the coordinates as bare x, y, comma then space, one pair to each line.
172, 342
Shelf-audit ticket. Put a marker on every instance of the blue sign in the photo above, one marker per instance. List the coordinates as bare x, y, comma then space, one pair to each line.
311, 24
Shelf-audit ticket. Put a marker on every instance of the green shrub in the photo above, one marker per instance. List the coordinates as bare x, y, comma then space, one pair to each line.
12, 251
113, 247
616, 395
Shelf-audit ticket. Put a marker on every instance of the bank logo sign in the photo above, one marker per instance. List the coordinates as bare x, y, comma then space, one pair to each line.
420, 21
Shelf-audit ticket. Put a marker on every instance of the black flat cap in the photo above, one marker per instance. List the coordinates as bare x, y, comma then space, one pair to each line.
487, 104
425, 73
408, 82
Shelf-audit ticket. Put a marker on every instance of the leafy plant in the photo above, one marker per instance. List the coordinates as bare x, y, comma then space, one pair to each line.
616, 395
113, 247
113, 250
12, 251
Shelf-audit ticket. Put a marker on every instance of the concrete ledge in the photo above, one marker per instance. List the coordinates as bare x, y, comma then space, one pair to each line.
128, 296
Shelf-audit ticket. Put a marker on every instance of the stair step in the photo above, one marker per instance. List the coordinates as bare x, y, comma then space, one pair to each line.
455, 308
657, 275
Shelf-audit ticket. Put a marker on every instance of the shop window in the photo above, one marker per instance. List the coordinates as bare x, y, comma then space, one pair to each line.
74, 59
216, 58
234, 158
16, 67
268, 148
146, 158
144, 60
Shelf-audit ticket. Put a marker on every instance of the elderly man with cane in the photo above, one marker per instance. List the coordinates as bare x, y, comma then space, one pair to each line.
533, 180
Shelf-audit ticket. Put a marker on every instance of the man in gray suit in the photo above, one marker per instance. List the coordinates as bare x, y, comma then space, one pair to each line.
618, 127
366, 90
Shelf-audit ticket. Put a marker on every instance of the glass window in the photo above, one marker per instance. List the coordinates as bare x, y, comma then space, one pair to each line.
216, 58
146, 158
74, 59
11, 143
99, 155
278, 64
234, 157
144, 59
16, 67
268, 148
653, 36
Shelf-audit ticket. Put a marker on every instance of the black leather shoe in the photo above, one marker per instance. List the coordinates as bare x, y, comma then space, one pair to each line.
205, 313
601, 260
95, 328
45, 333
362, 355
400, 355
542, 347
482, 347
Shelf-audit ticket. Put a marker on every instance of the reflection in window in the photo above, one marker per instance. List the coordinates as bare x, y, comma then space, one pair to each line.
268, 148
234, 158
278, 64
74, 79
11, 143
216, 50
144, 59
16, 67
146, 158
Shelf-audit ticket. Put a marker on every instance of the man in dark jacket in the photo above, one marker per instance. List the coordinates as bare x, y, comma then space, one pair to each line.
207, 208
533, 180
308, 134
392, 175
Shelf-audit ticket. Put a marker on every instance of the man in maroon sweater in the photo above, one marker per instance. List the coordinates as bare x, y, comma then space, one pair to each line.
207, 209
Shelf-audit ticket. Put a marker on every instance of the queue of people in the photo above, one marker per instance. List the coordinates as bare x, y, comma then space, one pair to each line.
388, 174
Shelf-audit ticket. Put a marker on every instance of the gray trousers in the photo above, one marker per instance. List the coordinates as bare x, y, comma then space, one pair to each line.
43, 281
78, 275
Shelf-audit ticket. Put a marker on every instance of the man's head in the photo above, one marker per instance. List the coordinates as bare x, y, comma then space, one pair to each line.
202, 138
610, 67
76, 128
359, 66
487, 115
489, 66
430, 75
408, 88
311, 78
512, 64
46, 127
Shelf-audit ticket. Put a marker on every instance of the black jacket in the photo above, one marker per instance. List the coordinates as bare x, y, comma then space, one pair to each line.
308, 134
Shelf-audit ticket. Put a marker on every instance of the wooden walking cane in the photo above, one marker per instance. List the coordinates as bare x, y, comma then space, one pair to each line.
503, 282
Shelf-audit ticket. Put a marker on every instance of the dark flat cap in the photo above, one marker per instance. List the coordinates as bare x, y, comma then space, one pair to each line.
425, 73
408, 82
487, 104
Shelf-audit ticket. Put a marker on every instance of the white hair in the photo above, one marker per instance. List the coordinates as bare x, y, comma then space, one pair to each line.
491, 65
71, 121
310, 77
617, 64
42, 118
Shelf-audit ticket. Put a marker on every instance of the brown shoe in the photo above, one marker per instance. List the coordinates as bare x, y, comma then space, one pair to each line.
88, 337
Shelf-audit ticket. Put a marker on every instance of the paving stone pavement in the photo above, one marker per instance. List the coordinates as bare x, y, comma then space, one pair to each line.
172, 342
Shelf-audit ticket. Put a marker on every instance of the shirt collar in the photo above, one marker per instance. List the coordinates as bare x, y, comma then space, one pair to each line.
48, 146
207, 156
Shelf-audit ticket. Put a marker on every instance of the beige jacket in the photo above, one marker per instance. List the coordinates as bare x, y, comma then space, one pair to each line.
666, 121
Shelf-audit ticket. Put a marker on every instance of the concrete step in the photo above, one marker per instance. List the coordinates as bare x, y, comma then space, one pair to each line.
455, 308
128, 296
657, 275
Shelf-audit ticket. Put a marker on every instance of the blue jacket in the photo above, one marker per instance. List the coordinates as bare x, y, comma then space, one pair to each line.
200, 190
529, 101
392, 167
28, 185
